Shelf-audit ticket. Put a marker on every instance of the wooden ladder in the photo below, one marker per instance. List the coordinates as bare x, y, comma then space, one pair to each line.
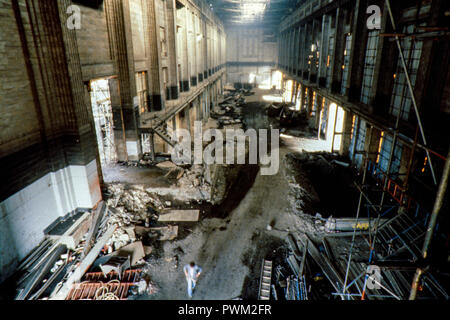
266, 280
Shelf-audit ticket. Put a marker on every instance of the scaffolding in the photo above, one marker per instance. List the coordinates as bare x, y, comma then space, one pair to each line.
103, 118
395, 246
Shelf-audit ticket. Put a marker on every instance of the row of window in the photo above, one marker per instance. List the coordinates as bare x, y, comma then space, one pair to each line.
401, 101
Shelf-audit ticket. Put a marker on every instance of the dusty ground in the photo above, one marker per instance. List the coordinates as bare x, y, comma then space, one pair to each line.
231, 250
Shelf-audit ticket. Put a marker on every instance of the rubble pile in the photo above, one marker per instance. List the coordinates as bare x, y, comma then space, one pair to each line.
133, 199
228, 110
197, 177
302, 195
146, 161
287, 114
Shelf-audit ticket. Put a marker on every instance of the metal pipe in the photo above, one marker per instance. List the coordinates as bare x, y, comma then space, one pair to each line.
411, 90
334, 129
389, 291
344, 288
357, 125
432, 224
411, 158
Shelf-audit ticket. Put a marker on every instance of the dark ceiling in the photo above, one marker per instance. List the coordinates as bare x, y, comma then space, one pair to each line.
245, 12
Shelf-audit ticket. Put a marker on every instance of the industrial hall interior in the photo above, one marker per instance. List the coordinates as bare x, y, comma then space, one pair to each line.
224, 150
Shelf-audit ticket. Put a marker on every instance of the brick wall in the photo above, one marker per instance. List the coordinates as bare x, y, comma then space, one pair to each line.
93, 44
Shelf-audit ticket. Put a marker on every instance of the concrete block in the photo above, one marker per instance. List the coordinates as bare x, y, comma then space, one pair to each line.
179, 215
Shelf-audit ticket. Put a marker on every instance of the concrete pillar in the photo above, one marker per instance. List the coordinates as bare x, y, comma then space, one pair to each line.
319, 103
385, 65
125, 113
183, 50
200, 47
172, 91
302, 97
338, 58
289, 51
358, 49
372, 148
309, 103
205, 49
296, 49
346, 132
306, 51
316, 25
323, 47
192, 47
153, 60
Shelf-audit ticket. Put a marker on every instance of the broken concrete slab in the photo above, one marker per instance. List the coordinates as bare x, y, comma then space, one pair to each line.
72, 237
166, 165
130, 232
134, 250
179, 216
116, 264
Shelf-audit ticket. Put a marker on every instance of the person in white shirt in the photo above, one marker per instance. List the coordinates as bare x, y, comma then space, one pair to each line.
192, 272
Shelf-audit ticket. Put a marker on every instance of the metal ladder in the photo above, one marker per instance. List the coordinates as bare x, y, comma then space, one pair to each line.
266, 280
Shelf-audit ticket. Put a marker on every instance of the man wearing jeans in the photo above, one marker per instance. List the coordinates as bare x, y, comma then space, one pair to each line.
192, 272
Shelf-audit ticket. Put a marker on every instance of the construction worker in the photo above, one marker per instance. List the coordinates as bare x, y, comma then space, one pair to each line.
192, 272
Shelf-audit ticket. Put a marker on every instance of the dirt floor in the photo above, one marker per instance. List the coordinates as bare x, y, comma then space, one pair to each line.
230, 249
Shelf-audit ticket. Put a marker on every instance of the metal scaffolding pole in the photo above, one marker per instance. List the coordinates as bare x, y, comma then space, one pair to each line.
411, 90
432, 224
344, 289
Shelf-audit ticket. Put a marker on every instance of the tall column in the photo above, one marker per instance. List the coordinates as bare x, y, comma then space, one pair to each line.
153, 61
323, 56
385, 63
316, 25
338, 57
199, 38
357, 53
296, 50
305, 51
184, 56
191, 40
309, 104
172, 92
125, 114
205, 49
347, 132
319, 103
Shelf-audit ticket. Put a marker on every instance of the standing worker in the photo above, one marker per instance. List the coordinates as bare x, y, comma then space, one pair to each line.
192, 272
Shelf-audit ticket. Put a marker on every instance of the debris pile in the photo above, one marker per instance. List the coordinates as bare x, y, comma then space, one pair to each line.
198, 177
228, 111
102, 255
302, 195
